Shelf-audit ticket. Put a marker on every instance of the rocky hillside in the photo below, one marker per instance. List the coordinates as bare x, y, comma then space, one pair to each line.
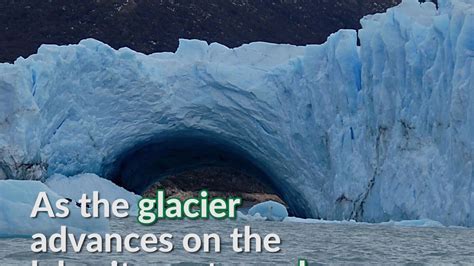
156, 25
220, 181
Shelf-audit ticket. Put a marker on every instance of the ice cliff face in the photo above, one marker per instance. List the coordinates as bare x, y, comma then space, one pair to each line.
377, 132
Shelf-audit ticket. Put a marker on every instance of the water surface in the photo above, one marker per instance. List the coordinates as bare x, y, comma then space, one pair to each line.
318, 243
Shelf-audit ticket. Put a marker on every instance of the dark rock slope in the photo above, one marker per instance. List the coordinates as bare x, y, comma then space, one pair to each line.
155, 25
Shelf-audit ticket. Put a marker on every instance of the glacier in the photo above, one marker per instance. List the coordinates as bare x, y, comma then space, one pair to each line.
73, 187
17, 198
376, 132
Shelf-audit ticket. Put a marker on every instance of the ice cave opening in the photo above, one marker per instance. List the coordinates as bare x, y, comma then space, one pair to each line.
184, 164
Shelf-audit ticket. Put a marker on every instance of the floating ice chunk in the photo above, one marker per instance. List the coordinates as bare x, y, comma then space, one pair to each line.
247, 217
319, 221
73, 187
404, 223
271, 210
415, 223
17, 198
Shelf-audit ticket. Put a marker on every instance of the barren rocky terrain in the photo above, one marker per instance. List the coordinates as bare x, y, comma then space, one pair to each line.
156, 25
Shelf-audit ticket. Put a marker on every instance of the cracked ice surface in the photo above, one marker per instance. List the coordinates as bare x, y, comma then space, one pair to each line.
379, 132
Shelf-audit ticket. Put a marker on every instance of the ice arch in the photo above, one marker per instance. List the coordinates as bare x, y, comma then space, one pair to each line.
377, 132
174, 153
124, 101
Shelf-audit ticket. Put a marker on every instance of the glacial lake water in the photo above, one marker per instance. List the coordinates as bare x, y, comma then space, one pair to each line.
354, 244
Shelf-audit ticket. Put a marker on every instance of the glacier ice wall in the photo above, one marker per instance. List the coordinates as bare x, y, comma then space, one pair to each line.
377, 132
